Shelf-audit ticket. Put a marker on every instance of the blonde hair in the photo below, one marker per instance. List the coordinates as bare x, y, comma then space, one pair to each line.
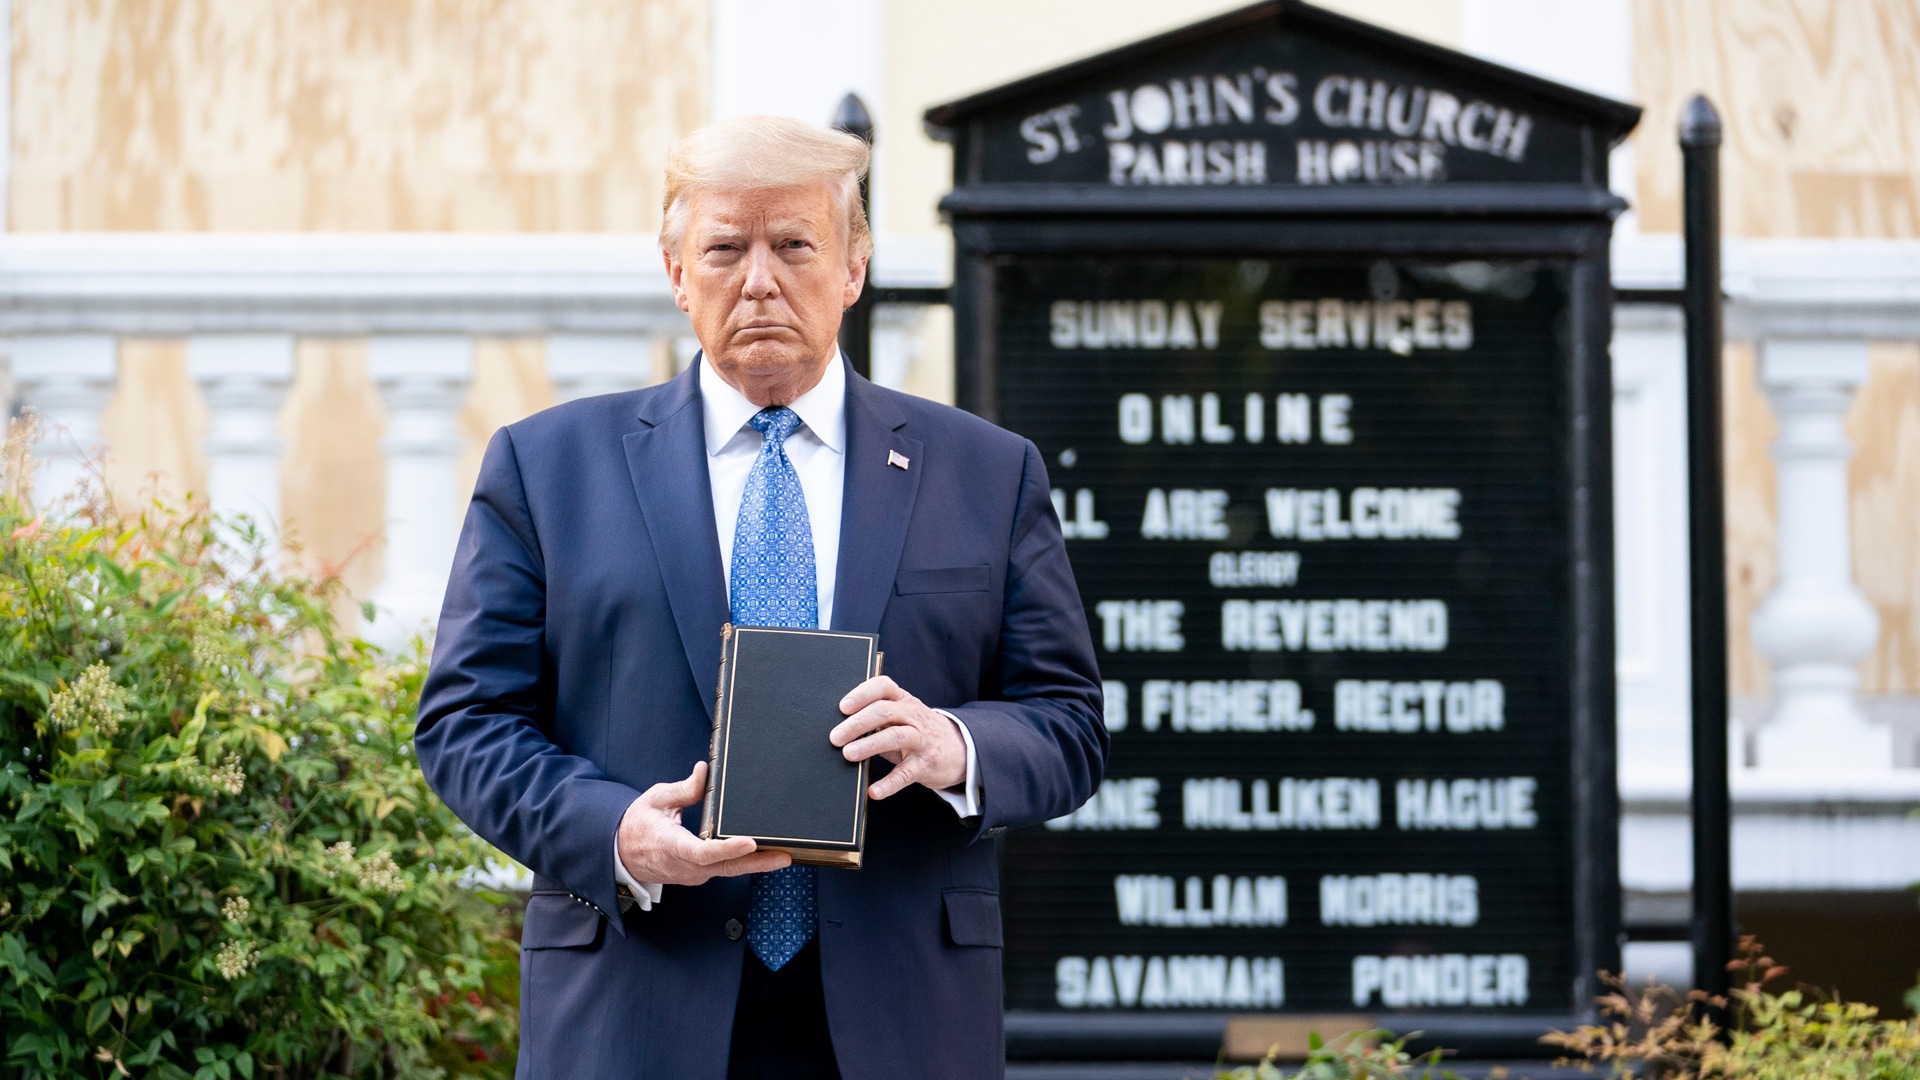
765, 152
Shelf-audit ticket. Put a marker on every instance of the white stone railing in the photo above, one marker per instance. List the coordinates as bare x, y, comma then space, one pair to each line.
242, 301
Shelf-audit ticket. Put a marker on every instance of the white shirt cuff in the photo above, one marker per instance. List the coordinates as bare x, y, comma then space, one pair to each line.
645, 894
965, 800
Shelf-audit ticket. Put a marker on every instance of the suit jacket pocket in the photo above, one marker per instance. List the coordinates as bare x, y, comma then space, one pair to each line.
973, 917
941, 579
558, 921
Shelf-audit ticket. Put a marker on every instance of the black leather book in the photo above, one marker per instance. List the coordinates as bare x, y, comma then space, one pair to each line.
772, 775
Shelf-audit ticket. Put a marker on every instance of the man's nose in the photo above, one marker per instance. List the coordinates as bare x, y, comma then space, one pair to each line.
761, 283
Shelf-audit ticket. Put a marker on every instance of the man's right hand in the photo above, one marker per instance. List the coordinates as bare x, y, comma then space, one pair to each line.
656, 847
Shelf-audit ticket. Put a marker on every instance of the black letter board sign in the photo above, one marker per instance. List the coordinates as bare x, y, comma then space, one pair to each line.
1310, 321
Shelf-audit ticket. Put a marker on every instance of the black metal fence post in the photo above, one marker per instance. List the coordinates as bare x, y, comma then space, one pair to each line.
1712, 928
856, 326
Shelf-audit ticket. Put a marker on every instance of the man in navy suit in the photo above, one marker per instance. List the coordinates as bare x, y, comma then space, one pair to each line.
567, 713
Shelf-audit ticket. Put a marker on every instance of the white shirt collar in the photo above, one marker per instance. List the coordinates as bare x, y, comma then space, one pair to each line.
822, 409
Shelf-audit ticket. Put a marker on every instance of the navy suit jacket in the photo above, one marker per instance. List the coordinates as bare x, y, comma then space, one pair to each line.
575, 667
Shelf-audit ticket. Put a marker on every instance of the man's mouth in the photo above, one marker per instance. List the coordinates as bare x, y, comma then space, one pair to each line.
762, 328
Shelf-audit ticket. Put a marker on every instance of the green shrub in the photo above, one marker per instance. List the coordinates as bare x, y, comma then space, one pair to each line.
218, 857
1657, 1033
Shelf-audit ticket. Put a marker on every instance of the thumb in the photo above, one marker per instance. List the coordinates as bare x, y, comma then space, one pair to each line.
681, 792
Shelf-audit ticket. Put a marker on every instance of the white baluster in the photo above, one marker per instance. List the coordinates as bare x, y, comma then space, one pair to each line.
423, 381
582, 365
1815, 625
68, 379
244, 379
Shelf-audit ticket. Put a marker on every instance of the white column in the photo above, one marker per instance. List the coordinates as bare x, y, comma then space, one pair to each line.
68, 379
1814, 625
582, 365
244, 379
1651, 630
423, 382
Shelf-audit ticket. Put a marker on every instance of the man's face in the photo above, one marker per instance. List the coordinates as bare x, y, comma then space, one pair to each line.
765, 274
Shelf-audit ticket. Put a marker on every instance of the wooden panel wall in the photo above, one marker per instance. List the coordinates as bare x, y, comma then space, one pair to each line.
1885, 480
1821, 105
333, 478
154, 426
350, 114
1751, 521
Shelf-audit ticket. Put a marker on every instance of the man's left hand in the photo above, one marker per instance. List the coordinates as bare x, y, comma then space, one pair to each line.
885, 721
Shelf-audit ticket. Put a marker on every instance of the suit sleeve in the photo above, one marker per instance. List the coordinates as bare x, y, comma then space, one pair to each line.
1042, 742
485, 708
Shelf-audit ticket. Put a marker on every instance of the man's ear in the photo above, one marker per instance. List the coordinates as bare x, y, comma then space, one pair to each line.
856, 282
675, 270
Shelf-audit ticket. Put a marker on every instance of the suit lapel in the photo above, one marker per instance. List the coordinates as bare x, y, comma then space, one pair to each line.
668, 463
876, 506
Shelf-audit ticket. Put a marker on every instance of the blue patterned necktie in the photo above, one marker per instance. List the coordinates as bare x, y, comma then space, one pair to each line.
774, 585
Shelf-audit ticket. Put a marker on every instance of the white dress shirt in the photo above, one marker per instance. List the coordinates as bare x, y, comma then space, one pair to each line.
818, 450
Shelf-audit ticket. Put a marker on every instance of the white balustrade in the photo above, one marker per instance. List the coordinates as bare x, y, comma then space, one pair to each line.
582, 365
423, 381
67, 379
244, 380
1815, 625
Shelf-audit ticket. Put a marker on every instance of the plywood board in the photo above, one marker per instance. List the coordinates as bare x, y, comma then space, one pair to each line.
1818, 99
333, 477
154, 427
350, 114
1885, 481
1751, 521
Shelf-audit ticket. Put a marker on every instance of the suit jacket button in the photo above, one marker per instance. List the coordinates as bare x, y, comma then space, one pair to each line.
735, 929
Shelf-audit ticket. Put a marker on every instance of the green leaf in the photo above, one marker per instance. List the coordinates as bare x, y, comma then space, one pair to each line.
98, 1014
188, 741
244, 1062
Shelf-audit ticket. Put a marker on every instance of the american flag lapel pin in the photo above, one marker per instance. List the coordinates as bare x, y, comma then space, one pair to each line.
896, 459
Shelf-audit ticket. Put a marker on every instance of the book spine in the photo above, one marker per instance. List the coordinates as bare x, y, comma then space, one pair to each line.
709, 813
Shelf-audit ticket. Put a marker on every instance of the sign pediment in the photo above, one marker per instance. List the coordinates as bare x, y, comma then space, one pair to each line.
1281, 94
